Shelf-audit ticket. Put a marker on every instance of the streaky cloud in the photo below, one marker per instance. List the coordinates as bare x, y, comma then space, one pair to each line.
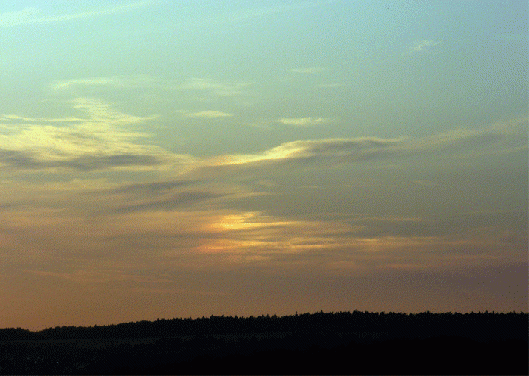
215, 88
499, 138
91, 162
100, 141
423, 46
304, 121
151, 187
20, 159
362, 148
311, 70
27, 160
130, 81
208, 114
32, 15
176, 200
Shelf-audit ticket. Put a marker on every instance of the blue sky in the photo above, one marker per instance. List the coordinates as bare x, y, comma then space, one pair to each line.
187, 158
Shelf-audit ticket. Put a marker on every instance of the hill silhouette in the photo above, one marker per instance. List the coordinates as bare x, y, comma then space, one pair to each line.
336, 342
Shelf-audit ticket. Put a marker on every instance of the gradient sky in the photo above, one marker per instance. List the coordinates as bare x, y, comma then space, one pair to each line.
164, 159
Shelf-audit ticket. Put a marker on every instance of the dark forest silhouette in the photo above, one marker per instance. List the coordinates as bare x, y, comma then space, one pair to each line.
336, 342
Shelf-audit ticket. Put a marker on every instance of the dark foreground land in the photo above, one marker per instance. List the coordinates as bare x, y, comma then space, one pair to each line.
320, 343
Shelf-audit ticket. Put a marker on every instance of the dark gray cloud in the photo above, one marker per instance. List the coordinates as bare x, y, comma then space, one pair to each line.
9, 206
176, 200
337, 150
20, 159
27, 160
91, 162
153, 187
310, 152
364, 148
442, 226
339, 147
481, 140
504, 280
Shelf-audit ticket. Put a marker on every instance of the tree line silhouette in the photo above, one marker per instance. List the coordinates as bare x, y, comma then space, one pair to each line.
479, 325
335, 342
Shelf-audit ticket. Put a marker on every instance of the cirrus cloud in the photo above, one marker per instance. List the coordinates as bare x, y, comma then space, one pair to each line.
423, 46
208, 114
311, 70
101, 140
361, 148
304, 121
33, 15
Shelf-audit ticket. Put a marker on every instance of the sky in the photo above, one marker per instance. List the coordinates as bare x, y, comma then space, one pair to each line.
164, 159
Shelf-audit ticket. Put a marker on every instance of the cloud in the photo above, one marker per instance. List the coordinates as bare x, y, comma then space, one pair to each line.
304, 122
177, 200
242, 237
19, 159
22, 17
82, 276
246, 15
499, 138
311, 70
202, 88
331, 85
31, 161
103, 140
32, 15
90, 162
362, 148
97, 142
14, 120
130, 81
423, 46
459, 144
457, 226
208, 114
221, 89
8, 206
102, 112
153, 187
169, 195
79, 149
252, 236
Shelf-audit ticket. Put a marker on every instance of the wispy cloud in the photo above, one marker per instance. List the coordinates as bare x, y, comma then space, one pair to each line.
331, 85
221, 89
499, 138
153, 187
458, 143
424, 45
179, 200
208, 114
346, 149
82, 276
99, 141
7, 120
250, 14
128, 81
33, 15
201, 87
305, 121
104, 139
243, 237
33, 161
308, 70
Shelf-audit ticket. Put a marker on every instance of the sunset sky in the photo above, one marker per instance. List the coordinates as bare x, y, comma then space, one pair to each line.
164, 159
